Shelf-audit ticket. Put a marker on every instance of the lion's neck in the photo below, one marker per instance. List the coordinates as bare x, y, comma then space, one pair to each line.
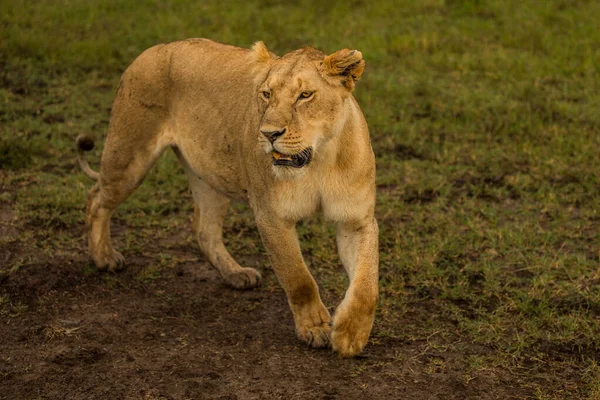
346, 150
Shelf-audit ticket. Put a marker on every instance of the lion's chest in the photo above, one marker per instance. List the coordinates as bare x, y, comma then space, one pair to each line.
338, 202
295, 202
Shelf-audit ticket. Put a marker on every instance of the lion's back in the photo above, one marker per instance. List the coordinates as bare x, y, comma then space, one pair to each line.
185, 67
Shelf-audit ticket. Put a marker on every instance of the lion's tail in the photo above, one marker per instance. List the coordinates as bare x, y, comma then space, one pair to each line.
85, 143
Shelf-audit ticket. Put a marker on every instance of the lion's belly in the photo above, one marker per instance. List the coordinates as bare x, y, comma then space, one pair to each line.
216, 163
210, 144
209, 112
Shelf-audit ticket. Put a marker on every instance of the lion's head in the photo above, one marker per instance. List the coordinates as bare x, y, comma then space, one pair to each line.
302, 98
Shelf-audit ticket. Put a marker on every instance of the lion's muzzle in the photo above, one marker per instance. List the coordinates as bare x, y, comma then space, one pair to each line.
297, 160
272, 135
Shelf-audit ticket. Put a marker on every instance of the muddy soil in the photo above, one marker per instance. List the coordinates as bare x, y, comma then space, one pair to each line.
69, 332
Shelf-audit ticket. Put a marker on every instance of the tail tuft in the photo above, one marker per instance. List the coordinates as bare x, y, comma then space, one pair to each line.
84, 143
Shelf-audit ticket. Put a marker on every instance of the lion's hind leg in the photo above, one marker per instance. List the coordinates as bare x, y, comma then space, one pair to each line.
210, 208
125, 161
112, 189
105, 257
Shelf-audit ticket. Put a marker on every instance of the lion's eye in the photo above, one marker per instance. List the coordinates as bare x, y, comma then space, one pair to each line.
266, 94
306, 94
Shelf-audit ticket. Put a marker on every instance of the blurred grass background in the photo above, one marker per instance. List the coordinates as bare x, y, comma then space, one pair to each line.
485, 119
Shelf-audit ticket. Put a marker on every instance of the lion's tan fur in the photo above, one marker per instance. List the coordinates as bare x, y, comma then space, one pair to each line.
210, 102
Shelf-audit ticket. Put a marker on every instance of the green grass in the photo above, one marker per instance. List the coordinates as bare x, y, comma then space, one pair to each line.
484, 115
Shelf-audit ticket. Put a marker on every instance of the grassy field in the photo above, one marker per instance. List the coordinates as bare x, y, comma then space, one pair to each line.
485, 119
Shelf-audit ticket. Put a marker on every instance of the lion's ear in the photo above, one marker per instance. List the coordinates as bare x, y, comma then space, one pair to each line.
345, 65
261, 54
261, 60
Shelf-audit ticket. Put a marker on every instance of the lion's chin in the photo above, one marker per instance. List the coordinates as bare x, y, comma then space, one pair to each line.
298, 160
288, 174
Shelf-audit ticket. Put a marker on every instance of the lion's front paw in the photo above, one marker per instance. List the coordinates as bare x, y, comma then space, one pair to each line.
313, 325
110, 260
247, 278
315, 336
351, 329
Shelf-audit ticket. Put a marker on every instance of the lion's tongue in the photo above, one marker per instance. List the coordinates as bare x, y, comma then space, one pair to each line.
279, 156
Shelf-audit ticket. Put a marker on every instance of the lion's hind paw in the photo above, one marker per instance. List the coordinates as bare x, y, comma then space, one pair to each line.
110, 261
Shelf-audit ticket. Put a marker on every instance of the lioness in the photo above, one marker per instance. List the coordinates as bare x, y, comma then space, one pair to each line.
283, 133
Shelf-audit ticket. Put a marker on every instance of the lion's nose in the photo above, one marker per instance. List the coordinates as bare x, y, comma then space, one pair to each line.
271, 134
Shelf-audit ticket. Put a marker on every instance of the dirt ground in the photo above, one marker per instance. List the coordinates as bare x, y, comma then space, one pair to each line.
69, 332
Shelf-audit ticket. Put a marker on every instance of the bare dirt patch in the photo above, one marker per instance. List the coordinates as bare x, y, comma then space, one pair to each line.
70, 332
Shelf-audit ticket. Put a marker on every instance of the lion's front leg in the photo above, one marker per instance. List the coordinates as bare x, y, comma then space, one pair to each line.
353, 319
310, 315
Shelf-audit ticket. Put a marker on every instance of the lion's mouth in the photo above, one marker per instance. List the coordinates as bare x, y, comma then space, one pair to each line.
297, 160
